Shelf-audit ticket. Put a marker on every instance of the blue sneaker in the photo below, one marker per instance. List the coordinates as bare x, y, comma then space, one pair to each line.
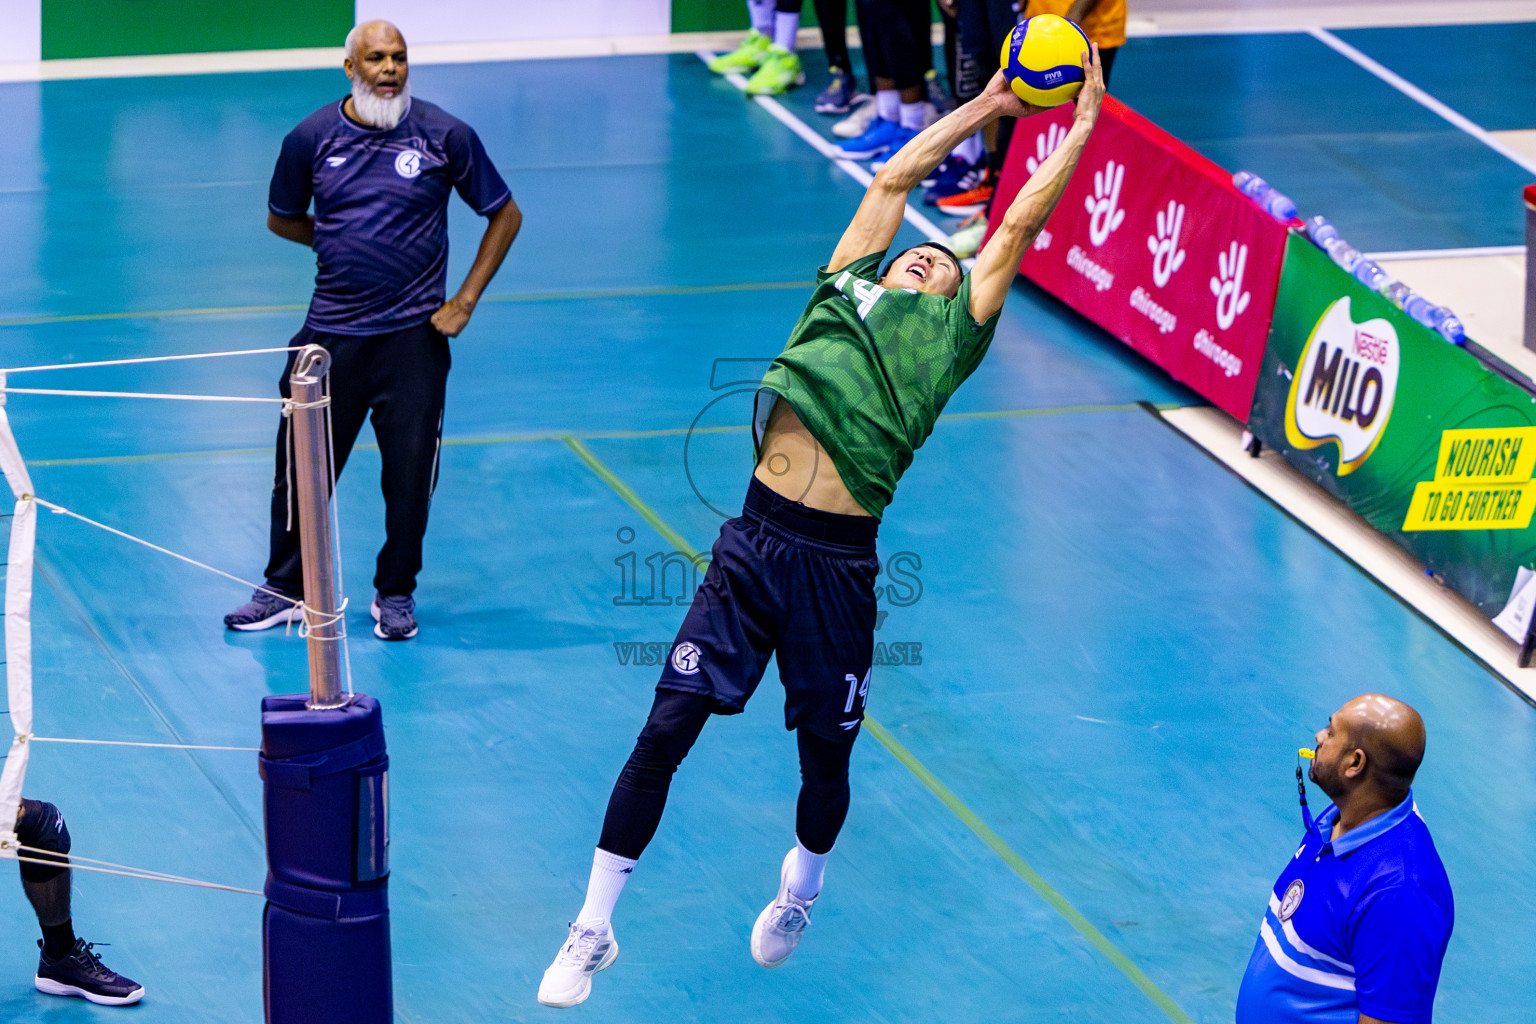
837, 97
899, 139
873, 142
394, 616
83, 975
956, 175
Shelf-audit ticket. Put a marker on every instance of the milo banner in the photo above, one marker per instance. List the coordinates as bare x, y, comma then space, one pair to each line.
1153, 243
1418, 436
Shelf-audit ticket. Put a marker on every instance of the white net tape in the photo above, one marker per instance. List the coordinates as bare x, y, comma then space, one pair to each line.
18, 632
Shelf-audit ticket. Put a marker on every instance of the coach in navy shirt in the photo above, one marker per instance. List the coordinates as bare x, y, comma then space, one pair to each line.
379, 167
1358, 923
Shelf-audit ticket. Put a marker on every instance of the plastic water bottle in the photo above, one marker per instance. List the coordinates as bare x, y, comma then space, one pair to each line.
1345, 255
1451, 329
1396, 291
1370, 274
1424, 311
1271, 201
1320, 230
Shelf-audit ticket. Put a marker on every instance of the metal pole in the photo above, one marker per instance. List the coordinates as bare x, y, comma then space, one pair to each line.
1530, 269
308, 424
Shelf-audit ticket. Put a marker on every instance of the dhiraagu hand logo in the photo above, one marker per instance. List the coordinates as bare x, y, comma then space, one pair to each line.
1344, 385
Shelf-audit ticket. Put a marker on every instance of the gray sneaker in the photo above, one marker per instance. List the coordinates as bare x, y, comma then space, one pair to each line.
263, 611
394, 616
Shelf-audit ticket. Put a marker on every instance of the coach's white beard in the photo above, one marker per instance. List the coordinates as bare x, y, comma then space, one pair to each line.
378, 111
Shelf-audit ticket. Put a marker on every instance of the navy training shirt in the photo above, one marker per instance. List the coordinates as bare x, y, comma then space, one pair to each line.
1355, 925
381, 211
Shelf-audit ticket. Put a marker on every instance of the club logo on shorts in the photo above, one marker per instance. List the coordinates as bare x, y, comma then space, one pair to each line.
1291, 901
408, 164
685, 658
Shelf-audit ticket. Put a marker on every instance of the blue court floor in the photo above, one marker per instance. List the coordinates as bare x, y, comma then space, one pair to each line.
1102, 649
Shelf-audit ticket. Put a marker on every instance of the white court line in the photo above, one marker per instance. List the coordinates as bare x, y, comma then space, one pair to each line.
1449, 254
1421, 97
854, 170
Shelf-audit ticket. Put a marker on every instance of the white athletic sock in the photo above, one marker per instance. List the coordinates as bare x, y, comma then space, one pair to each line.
609, 873
785, 25
761, 12
805, 872
911, 115
971, 149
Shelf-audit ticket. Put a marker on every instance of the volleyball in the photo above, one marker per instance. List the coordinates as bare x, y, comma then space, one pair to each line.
1042, 59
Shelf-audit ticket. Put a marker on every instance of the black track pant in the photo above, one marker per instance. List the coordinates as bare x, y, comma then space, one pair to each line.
676, 720
402, 378
832, 16
897, 40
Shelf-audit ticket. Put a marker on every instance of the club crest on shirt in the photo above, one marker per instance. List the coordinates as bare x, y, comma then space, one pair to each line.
1291, 900
408, 164
685, 658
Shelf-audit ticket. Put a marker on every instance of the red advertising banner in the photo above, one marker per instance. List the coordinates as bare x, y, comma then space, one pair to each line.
1152, 242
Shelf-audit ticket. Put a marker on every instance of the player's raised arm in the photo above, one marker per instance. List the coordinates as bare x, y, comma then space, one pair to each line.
999, 259
874, 226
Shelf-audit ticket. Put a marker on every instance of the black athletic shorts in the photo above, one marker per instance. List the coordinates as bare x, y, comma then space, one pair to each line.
789, 580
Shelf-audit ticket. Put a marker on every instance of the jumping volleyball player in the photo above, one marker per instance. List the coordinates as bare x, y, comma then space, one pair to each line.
857, 390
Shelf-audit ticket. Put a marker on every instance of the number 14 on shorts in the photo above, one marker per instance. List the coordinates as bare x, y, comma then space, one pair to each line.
858, 690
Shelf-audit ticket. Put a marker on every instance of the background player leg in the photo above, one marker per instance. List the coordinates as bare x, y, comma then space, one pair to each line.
408, 422
285, 570
67, 966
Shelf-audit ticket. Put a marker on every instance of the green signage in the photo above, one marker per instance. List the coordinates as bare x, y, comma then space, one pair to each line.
1431, 446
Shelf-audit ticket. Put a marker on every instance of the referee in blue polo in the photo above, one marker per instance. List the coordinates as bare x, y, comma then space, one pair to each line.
380, 168
1359, 920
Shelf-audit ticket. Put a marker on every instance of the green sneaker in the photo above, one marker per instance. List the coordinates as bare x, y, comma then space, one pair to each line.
781, 71
965, 242
747, 57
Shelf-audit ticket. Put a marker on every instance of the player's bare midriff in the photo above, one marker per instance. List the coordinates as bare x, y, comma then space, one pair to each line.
794, 464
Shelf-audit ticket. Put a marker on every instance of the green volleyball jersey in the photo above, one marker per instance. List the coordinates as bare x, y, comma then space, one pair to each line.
868, 370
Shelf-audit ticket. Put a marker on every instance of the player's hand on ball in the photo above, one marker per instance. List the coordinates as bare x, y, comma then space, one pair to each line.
451, 318
1091, 97
1006, 101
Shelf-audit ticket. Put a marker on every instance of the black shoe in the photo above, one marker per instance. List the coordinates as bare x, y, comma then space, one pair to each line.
82, 974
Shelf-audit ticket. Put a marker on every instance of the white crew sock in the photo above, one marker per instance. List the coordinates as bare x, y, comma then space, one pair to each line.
805, 872
609, 873
785, 25
761, 12
888, 105
971, 149
912, 115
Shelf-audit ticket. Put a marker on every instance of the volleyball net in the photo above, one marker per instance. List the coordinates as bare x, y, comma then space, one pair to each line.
325, 624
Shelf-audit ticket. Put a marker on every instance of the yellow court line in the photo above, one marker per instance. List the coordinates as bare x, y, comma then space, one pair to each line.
587, 435
658, 291
1047, 892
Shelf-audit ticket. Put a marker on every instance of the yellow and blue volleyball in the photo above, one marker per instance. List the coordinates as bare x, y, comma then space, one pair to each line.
1042, 59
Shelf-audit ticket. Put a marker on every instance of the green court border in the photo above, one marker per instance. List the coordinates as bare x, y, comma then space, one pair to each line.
567, 436
1054, 899
653, 291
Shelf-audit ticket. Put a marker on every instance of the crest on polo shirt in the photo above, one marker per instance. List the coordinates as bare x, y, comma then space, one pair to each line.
1291, 900
408, 164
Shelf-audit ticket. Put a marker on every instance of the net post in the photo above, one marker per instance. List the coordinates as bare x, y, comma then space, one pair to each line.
309, 417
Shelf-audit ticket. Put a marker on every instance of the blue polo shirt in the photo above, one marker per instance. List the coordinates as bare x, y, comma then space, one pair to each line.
1355, 925
381, 211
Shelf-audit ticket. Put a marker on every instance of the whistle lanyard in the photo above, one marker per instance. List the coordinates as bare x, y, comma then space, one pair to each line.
1301, 792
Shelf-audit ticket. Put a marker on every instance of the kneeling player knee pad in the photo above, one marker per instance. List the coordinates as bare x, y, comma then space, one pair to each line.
42, 829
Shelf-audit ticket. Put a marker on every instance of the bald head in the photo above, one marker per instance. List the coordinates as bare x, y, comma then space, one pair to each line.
372, 35
1374, 740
